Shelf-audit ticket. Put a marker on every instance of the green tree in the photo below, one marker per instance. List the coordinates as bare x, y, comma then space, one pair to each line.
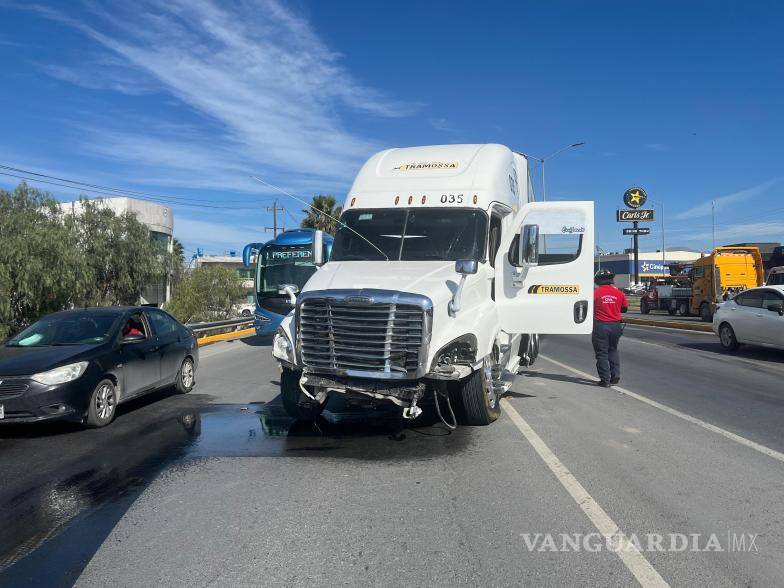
208, 293
176, 263
53, 259
315, 220
41, 269
122, 257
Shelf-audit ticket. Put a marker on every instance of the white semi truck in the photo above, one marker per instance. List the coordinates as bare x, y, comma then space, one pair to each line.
441, 266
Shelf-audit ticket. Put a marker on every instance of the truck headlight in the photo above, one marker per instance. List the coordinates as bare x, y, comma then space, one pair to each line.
282, 348
62, 374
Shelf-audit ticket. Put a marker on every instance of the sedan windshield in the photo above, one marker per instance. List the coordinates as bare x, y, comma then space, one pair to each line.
71, 329
405, 234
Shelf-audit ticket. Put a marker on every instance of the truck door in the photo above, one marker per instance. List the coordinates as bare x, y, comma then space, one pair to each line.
544, 270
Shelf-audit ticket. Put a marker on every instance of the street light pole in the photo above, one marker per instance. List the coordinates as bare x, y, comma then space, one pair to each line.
542, 161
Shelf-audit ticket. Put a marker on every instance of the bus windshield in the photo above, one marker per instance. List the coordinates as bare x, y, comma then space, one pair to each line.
283, 264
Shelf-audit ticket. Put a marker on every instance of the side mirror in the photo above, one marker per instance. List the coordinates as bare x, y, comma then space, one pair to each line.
529, 246
132, 338
466, 267
290, 290
318, 248
778, 307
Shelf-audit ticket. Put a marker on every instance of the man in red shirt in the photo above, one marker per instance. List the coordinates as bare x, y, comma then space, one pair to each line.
608, 304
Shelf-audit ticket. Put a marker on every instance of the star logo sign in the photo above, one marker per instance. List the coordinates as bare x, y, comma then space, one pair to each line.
635, 197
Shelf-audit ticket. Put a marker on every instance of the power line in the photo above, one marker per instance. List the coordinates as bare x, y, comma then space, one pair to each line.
149, 199
77, 184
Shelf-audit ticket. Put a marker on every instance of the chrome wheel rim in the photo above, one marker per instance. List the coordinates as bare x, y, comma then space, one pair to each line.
186, 374
105, 402
487, 374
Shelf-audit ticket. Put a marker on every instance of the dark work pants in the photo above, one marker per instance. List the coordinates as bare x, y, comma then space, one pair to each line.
605, 345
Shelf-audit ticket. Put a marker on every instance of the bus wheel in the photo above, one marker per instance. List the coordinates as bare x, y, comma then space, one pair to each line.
296, 403
705, 312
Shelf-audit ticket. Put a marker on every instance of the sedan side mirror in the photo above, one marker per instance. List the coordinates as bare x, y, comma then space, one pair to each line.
290, 290
779, 308
133, 338
529, 246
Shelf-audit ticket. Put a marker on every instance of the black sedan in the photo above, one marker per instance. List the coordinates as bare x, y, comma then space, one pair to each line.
80, 364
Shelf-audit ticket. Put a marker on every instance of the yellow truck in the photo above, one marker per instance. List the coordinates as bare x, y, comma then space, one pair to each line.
722, 274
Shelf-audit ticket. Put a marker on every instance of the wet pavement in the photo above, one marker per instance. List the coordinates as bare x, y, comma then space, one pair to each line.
60, 480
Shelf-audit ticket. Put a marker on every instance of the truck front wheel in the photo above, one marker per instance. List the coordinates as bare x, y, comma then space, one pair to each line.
478, 399
296, 403
644, 309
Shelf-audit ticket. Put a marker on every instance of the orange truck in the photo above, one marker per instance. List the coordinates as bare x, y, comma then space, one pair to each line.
722, 274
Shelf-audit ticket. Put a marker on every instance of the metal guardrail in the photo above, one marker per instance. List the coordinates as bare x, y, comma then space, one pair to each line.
226, 326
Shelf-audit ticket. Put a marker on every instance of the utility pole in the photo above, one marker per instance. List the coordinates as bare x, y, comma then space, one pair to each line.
274, 210
664, 249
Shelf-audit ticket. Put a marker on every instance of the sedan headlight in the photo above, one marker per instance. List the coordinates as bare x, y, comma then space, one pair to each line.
282, 348
62, 374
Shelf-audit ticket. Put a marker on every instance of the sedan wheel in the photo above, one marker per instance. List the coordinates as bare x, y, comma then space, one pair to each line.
103, 405
186, 377
727, 337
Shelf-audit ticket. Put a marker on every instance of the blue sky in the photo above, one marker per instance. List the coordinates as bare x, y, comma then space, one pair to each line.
187, 98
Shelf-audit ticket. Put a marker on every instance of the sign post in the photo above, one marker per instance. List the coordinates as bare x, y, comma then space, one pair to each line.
635, 198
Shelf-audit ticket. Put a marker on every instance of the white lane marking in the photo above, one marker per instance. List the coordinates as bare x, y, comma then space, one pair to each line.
638, 326
681, 415
635, 561
711, 355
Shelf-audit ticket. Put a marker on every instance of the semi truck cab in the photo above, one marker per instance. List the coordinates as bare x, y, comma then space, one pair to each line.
442, 274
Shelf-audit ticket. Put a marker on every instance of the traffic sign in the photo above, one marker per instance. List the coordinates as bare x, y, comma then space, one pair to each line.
641, 215
634, 197
637, 231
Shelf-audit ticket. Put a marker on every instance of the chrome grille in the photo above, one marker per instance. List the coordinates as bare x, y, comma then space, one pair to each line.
360, 334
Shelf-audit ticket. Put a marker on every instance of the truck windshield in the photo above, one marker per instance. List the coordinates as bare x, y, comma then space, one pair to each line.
406, 234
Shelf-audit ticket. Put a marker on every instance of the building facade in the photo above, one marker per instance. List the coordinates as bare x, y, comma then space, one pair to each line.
651, 264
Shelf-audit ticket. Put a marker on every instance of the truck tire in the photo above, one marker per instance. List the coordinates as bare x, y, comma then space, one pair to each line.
729, 342
297, 405
672, 311
644, 307
478, 400
683, 308
705, 313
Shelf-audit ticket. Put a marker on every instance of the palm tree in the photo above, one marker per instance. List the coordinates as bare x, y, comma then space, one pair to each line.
316, 220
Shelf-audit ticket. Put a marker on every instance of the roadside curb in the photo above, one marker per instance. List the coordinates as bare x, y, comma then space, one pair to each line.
226, 336
705, 328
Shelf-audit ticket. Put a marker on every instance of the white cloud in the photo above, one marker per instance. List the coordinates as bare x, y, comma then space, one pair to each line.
656, 147
255, 71
748, 232
722, 202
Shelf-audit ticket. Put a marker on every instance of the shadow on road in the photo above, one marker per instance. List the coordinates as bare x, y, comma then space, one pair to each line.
773, 356
560, 378
257, 340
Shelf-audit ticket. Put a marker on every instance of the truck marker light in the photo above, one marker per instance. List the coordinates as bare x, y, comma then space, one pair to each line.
423, 199
397, 199
410, 199
353, 200
475, 199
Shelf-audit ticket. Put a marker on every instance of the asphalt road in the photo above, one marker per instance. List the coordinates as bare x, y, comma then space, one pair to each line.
218, 487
